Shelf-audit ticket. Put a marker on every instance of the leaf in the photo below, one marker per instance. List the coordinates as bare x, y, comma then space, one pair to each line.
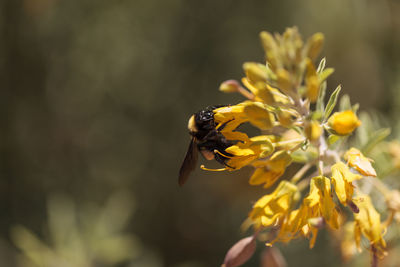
375, 139
299, 157
325, 74
333, 139
321, 97
317, 115
364, 130
240, 252
345, 103
332, 102
355, 107
321, 65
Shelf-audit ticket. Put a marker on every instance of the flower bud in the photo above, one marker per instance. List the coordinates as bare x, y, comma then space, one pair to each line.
313, 130
344, 123
240, 252
284, 118
255, 72
315, 45
229, 86
284, 82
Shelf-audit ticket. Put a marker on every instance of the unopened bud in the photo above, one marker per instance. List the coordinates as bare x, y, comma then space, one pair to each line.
393, 200
255, 72
284, 82
315, 45
317, 222
313, 130
229, 86
284, 118
343, 123
240, 252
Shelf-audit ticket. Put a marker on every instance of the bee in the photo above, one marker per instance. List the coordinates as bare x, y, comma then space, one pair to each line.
206, 139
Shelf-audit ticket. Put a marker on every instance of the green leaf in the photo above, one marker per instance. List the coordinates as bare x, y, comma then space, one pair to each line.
321, 96
364, 130
299, 157
355, 107
332, 102
325, 74
375, 139
344, 103
316, 115
333, 139
321, 65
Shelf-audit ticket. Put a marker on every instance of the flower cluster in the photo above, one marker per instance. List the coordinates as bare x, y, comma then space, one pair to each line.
285, 100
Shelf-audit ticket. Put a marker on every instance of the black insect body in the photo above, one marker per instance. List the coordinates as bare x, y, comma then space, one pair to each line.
206, 139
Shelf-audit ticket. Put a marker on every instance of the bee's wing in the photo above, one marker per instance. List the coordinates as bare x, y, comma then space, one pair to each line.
189, 163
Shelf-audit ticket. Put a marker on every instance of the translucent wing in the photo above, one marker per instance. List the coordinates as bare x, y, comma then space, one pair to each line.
189, 163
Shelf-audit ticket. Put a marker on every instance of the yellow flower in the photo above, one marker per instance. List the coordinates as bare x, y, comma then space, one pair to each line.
255, 81
344, 123
317, 208
268, 171
248, 111
342, 179
359, 162
230, 118
245, 153
368, 223
271, 209
298, 223
292, 225
319, 201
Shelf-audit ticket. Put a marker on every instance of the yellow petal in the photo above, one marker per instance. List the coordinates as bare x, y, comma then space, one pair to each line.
369, 222
359, 162
237, 136
229, 113
260, 90
258, 115
255, 72
273, 207
319, 201
259, 176
340, 186
342, 179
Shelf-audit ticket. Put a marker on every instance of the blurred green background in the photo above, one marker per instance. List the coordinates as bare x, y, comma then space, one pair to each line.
94, 101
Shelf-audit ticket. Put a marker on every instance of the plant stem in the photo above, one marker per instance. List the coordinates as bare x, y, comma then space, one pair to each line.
301, 173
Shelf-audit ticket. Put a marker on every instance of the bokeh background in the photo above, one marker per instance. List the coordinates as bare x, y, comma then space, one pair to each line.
94, 101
